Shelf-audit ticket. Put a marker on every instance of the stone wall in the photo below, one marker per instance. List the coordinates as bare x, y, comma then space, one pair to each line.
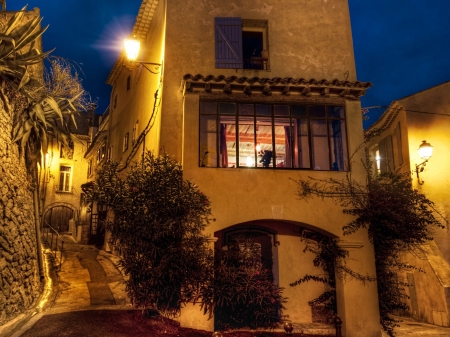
19, 274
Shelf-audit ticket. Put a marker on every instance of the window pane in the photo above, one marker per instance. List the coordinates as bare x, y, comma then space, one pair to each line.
301, 149
227, 108
338, 145
247, 142
246, 109
281, 110
61, 181
336, 112
299, 111
208, 141
207, 107
263, 110
317, 111
252, 46
227, 142
283, 142
319, 146
264, 147
66, 185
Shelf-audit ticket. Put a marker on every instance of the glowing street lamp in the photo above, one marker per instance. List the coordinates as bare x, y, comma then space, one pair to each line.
132, 47
425, 152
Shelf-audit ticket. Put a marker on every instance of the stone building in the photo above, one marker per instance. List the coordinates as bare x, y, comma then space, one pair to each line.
405, 125
247, 95
20, 264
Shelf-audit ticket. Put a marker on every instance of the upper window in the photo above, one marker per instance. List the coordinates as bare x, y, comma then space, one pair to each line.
384, 155
241, 44
135, 132
128, 82
67, 151
65, 176
101, 152
125, 142
234, 134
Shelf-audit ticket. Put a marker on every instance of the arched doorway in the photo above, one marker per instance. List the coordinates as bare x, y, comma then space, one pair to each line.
283, 244
58, 216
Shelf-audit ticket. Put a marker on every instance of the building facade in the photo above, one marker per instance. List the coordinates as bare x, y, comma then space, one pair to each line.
62, 176
404, 126
248, 96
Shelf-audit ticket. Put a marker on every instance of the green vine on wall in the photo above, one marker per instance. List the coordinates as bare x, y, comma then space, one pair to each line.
398, 218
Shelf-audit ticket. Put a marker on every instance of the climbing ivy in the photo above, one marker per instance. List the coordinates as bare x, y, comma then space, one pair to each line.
398, 218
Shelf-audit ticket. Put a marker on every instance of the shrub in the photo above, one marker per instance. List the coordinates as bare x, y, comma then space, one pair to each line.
157, 226
243, 292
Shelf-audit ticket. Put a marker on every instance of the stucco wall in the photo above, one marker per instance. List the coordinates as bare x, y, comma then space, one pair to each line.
19, 276
138, 103
307, 39
432, 125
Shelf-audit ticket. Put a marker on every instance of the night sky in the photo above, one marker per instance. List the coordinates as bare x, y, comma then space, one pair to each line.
401, 46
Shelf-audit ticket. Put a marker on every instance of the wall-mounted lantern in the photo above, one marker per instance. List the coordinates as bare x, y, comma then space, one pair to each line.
132, 47
425, 152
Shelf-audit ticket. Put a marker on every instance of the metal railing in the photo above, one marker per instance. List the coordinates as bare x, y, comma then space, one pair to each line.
52, 238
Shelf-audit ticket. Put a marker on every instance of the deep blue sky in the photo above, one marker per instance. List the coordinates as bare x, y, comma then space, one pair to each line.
401, 46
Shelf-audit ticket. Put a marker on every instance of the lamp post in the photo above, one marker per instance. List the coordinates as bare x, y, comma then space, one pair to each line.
425, 152
132, 47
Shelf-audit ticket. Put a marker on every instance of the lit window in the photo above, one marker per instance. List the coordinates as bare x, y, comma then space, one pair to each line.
65, 175
234, 134
377, 161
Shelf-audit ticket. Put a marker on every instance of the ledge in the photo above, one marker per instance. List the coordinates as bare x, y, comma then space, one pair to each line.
276, 85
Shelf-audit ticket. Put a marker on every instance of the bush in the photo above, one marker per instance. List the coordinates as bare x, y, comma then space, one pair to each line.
157, 226
243, 291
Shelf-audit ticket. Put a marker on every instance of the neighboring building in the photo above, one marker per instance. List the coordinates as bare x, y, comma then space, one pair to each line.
405, 125
65, 171
96, 155
249, 95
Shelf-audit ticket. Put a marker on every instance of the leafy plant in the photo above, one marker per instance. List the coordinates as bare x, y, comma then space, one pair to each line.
399, 219
18, 48
46, 105
243, 293
158, 222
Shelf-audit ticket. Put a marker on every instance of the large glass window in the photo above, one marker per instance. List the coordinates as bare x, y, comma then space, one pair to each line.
234, 134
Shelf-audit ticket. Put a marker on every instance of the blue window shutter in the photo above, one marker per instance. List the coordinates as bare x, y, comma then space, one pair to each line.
228, 35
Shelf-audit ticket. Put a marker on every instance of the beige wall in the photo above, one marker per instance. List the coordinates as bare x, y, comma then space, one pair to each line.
307, 39
432, 126
425, 116
137, 104
50, 181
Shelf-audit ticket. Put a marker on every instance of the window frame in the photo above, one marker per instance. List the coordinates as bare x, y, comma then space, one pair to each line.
125, 142
202, 150
68, 184
229, 44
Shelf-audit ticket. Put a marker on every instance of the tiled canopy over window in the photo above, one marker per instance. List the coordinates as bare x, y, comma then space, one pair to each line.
281, 136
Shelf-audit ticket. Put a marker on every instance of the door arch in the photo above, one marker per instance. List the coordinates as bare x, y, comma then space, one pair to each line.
58, 215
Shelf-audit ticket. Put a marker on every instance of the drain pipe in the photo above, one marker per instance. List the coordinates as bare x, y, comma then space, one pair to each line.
38, 233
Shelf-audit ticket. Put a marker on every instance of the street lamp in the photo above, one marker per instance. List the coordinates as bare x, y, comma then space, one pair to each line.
132, 47
425, 152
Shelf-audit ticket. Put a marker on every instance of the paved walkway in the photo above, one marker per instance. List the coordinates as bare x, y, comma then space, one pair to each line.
89, 280
88, 298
